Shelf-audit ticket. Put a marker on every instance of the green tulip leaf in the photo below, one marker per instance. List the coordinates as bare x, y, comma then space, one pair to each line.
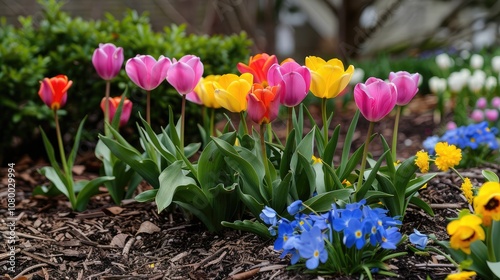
56, 178
490, 176
90, 189
146, 196
323, 202
494, 267
249, 226
171, 179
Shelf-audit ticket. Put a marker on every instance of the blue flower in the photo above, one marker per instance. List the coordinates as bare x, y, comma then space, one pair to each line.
295, 207
268, 216
345, 216
321, 221
418, 239
430, 143
312, 248
355, 234
390, 237
285, 231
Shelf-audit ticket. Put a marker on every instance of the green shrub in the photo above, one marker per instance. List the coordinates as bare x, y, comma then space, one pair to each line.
61, 44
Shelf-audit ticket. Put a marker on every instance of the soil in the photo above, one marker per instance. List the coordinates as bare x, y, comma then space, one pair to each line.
133, 241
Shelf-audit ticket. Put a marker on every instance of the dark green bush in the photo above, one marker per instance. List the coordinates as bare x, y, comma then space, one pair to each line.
61, 44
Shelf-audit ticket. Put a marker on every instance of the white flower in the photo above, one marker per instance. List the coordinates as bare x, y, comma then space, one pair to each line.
457, 81
495, 63
465, 54
476, 81
444, 61
490, 83
476, 61
358, 76
437, 84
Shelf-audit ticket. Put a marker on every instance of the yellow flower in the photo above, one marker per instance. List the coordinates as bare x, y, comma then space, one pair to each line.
464, 231
487, 202
206, 91
346, 183
462, 275
231, 91
467, 190
422, 161
328, 77
316, 160
424, 186
447, 156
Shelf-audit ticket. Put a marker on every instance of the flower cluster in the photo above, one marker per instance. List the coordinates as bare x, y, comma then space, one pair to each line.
447, 156
310, 236
472, 136
486, 111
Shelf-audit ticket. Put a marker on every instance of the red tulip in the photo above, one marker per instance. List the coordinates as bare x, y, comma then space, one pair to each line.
53, 91
263, 103
258, 66
114, 102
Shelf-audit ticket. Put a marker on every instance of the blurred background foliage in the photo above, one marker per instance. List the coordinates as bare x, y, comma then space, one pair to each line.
61, 44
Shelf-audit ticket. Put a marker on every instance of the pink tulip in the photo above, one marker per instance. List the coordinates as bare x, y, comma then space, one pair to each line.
491, 115
113, 106
375, 98
293, 79
481, 103
185, 74
146, 72
107, 60
477, 115
451, 126
495, 102
406, 84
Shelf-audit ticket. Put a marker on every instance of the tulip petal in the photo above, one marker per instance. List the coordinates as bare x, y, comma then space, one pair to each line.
137, 72
293, 89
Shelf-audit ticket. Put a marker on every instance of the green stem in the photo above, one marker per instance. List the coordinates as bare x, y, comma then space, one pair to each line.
269, 133
106, 108
264, 159
365, 154
243, 122
450, 259
183, 119
148, 107
395, 134
458, 173
489, 243
289, 120
323, 116
212, 121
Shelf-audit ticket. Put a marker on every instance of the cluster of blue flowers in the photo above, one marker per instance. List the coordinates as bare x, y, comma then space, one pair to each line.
472, 136
305, 236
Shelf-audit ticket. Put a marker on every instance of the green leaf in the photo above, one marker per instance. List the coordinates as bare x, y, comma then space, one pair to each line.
249, 226
394, 204
422, 205
351, 164
417, 183
323, 202
337, 184
360, 192
50, 151
50, 191
494, 267
147, 168
54, 177
404, 174
331, 147
306, 146
155, 141
347, 143
90, 189
172, 178
495, 231
280, 193
255, 206
76, 145
172, 129
388, 158
288, 152
490, 176
147, 196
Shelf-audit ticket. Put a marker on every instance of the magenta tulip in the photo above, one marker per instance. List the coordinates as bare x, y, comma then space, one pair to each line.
146, 72
107, 60
481, 103
293, 79
477, 115
495, 102
491, 115
406, 84
185, 74
375, 98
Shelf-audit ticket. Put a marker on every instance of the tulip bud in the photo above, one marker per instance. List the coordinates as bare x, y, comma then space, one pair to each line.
406, 84
375, 98
185, 74
113, 106
495, 63
476, 61
107, 60
146, 72
495, 102
53, 91
491, 115
437, 85
444, 61
477, 116
451, 126
481, 103
293, 79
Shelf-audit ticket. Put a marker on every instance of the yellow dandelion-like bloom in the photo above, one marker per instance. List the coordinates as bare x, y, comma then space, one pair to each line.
487, 202
424, 186
464, 231
462, 275
422, 161
447, 156
316, 160
467, 190
346, 183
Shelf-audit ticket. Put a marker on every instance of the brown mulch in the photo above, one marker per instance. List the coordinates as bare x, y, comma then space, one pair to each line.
133, 241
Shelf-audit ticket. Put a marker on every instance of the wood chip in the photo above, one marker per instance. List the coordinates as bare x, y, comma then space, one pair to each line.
113, 210
78, 169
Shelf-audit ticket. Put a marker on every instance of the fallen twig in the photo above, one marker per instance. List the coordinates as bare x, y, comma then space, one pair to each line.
30, 268
245, 275
127, 247
38, 258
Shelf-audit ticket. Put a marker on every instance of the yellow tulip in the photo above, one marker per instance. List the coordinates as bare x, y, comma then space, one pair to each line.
206, 91
329, 78
487, 202
231, 91
464, 231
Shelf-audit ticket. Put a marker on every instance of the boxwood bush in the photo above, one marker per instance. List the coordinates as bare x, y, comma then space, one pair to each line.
58, 43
